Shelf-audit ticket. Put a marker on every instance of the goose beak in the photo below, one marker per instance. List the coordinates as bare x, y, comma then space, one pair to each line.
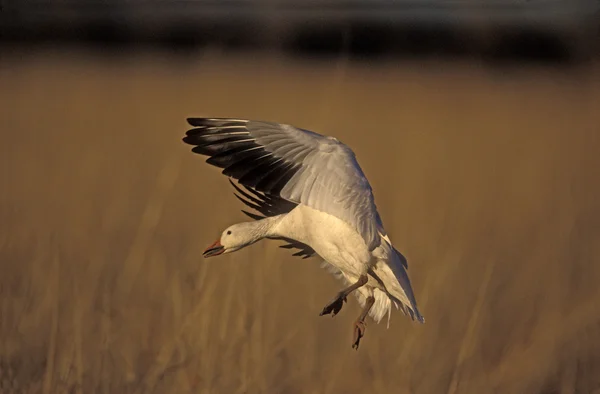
214, 249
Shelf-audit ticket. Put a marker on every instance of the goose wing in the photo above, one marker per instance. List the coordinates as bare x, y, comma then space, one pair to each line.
297, 165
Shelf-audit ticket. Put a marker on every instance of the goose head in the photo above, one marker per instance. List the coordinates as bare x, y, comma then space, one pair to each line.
234, 238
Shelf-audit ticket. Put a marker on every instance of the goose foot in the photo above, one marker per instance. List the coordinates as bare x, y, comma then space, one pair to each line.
335, 306
359, 332
360, 325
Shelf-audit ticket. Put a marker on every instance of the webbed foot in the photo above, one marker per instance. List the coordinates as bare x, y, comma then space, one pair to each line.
359, 332
334, 305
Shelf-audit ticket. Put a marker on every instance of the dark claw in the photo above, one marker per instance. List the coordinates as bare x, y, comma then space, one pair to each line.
359, 332
334, 307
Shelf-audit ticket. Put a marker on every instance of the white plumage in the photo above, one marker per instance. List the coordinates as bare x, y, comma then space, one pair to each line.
312, 194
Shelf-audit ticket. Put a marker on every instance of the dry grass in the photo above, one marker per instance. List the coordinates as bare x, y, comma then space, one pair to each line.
486, 179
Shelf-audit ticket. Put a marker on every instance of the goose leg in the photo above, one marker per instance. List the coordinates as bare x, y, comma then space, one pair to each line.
359, 324
335, 305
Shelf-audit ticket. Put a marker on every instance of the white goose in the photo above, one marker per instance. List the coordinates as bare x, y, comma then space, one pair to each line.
313, 195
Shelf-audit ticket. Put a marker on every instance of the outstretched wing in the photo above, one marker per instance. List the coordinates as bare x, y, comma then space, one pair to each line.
297, 165
270, 205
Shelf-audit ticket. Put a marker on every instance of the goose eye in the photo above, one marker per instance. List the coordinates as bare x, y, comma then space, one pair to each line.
228, 232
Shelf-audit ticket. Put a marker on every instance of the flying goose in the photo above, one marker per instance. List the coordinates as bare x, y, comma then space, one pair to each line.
313, 195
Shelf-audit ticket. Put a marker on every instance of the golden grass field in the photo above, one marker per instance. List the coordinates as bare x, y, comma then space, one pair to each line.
486, 179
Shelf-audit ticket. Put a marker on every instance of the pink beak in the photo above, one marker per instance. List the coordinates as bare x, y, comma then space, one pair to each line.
214, 249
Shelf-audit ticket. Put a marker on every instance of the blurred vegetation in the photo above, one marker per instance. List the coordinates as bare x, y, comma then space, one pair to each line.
486, 180
484, 171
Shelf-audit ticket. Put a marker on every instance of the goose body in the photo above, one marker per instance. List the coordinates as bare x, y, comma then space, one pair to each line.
331, 238
313, 195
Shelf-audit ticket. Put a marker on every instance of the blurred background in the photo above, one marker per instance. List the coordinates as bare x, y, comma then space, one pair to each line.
476, 123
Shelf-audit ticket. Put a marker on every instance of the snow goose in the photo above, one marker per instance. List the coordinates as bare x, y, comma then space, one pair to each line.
314, 196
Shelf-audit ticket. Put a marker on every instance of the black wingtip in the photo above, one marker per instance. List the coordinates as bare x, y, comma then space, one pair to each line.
252, 215
195, 121
188, 139
194, 131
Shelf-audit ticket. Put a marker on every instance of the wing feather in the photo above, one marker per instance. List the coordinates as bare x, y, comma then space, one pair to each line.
296, 165
270, 206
